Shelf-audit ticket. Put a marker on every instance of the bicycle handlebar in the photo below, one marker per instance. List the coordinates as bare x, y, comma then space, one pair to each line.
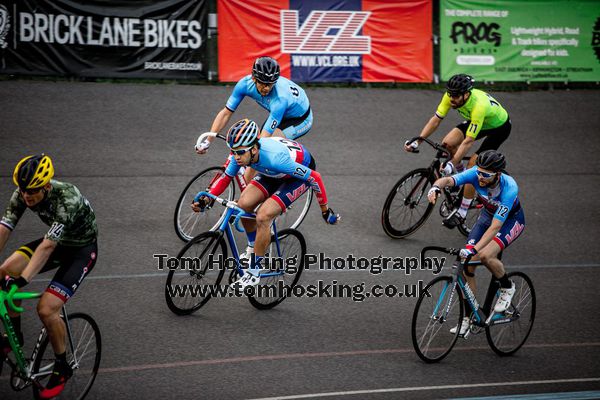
229, 204
447, 250
433, 144
12, 295
210, 134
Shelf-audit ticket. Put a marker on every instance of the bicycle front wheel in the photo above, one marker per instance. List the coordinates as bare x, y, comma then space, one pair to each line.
438, 310
506, 338
84, 348
286, 265
406, 207
189, 223
201, 266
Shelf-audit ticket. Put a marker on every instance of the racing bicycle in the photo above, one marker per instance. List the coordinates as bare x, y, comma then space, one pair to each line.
285, 256
84, 347
406, 208
440, 308
189, 224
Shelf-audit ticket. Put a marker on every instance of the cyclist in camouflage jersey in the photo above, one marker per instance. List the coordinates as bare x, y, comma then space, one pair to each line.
70, 245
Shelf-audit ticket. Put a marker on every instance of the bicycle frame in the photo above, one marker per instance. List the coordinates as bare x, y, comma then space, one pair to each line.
232, 216
482, 316
22, 367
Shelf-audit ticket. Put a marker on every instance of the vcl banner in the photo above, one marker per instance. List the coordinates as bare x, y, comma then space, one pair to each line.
328, 40
515, 40
127, 38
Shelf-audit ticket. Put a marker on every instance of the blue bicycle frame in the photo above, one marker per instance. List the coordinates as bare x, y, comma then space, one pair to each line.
483, 316
232, 216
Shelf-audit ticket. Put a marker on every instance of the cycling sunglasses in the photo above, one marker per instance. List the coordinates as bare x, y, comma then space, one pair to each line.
31, 191
485, 175
240, 152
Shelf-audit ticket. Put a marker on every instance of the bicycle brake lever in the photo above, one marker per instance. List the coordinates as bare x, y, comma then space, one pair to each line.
9, 299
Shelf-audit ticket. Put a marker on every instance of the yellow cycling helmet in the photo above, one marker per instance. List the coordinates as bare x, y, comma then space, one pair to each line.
33, 172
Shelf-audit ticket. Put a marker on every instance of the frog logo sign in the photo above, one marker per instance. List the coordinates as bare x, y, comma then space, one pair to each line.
4, 26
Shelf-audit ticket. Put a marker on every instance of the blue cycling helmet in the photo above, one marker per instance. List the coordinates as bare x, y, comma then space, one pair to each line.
243, 133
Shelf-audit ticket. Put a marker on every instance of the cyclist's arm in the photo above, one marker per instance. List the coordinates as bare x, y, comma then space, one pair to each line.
430, 126
477, 119
4, 234
221, 184
274, 119
39, 259
463, 150
220, 121
313, 178
489, 234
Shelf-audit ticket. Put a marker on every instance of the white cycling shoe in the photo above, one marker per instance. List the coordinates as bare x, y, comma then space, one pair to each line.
505, 298
247, 255
464, 327
248, 279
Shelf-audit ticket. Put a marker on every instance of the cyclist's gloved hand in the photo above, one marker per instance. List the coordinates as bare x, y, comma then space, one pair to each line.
447, 168
465, 253
201, 204
202, 145
410, 147
433, 194
330, 217
8, 281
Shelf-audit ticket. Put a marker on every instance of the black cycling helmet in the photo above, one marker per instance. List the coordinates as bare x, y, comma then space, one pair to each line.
459, 84
265, 70
491, 160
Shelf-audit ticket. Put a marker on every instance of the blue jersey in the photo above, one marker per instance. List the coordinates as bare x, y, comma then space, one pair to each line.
500, 200
278, 158
285, 100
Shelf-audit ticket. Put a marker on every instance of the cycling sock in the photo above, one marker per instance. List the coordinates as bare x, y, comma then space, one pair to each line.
505, 282
464, 206
251, 238
62, 358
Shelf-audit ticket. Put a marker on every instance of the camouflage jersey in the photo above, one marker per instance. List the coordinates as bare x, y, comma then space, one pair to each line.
68, 214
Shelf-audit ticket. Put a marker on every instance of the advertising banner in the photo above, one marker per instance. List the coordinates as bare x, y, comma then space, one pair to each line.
327, 40
125, 38
514, 40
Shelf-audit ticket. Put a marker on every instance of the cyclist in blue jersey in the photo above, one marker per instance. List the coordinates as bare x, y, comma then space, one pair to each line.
290, 115
500, 223
286, 169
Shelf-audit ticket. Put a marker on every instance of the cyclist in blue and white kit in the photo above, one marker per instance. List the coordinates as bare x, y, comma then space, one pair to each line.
500, 223
286, 170
290, 115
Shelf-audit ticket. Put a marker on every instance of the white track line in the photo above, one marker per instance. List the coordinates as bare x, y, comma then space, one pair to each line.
425, 388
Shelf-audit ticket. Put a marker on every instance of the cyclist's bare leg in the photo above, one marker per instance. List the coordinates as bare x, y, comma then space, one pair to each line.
250, 172
469, 192
269, 210
249, 199
489, 258
453, 140
14, 266
48, 309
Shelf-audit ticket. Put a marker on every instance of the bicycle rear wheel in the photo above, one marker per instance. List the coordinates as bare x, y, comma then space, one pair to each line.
83, 357
288, 260
435, 314
294, 215
406, 207
505, 339
189, 223
189, 289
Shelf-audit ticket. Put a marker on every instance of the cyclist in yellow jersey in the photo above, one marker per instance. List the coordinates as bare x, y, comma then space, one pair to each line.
484, 118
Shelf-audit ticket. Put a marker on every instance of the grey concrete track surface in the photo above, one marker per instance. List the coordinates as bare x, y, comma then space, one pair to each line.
129, 149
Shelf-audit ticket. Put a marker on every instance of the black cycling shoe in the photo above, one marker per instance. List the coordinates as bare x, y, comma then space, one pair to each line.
453, 220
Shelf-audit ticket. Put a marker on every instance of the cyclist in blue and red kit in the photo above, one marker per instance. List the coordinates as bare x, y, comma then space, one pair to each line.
500, 223
286, 170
